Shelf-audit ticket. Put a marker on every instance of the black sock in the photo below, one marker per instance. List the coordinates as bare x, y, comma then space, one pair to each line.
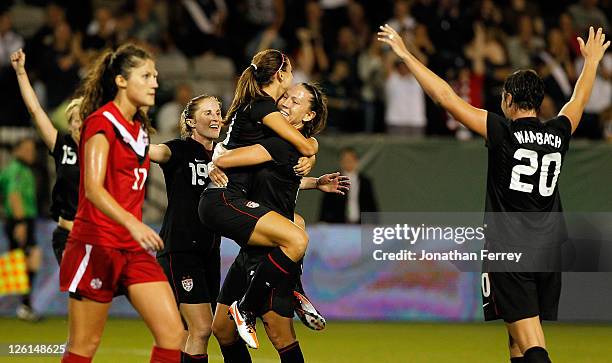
536, 355
26, 299
291, 354
196, 358
517, 360
274, 267
236, 352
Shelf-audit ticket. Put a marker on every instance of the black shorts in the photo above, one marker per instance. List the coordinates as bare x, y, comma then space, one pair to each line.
194, 278
9, 229
239, 276
513, 296
60, 236
232, 216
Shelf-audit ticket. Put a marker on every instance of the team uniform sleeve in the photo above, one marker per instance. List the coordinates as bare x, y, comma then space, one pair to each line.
262, 108
97, 124
496, 127
59, 144
176, 154
563, 124
277, 148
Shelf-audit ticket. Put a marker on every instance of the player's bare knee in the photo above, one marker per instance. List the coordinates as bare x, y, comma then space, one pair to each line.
279, 341
224, 333
201, 332
85, 345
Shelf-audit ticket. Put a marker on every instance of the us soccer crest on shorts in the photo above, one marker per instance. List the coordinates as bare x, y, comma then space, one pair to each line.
252, 204
187, 284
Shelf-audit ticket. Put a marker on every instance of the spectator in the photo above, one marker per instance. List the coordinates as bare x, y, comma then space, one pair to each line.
601, 99
566, 23
198, 19
525, 46
371, 69
342, 98
557, 69
361, 198
167, 120
586, 14
18, 188
265, 19
402, 20
146, 28
9, 40
59, 66
100, 32
358, 25
405, 100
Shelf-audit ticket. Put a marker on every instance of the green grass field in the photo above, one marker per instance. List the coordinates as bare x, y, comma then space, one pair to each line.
129, 341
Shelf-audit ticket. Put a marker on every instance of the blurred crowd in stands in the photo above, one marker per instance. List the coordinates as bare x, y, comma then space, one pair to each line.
202, 45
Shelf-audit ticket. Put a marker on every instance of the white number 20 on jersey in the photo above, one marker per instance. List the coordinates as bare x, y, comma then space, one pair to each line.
532, 156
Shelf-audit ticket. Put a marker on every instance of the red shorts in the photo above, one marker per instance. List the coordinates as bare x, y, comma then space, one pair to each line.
98, 273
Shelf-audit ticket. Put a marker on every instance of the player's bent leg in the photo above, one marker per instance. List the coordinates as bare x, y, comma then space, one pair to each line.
299, 221
155, 302
86, 320
516, 356
274, 230
199, 322
232, 347
282, 336
529, 337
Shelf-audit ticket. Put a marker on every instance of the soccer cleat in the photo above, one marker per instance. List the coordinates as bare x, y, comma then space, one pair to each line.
245, 324
26, 313
307, 313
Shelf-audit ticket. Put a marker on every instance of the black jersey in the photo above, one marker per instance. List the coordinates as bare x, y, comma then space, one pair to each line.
525, 159
65, 194
275, 185
247, 129
186, 176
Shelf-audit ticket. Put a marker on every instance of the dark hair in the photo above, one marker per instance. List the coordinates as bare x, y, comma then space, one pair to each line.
189, 113
99, 86
318, 104
260, 73
526, 88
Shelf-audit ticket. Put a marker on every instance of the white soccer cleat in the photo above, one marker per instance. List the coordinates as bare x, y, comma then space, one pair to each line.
245, 324
307, 313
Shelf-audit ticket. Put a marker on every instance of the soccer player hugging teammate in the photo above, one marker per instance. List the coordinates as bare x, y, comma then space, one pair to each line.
191, 255
228, 211
525, 158
64, 149
107, 250
275, 185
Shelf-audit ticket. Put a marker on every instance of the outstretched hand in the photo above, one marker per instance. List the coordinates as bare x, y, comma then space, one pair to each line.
595, 46
334, 183
389, 36
18, 61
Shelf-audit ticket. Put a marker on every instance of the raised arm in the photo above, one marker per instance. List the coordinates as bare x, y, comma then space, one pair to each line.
276, 121
159, 153
441, 92
45, 128
592, 52
243, 156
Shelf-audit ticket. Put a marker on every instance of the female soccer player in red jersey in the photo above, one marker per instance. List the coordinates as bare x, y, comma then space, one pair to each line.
108, 248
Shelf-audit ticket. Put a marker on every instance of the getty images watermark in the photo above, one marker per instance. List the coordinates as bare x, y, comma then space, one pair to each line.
513, 242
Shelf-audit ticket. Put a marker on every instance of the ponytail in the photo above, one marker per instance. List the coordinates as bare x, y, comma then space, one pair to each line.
260, 73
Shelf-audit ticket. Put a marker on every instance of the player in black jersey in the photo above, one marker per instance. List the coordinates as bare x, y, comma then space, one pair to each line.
525, 158
276, 186
63, 148
254, 116
191, 255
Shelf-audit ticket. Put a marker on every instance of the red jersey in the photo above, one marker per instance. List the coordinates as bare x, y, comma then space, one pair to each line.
127, 168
